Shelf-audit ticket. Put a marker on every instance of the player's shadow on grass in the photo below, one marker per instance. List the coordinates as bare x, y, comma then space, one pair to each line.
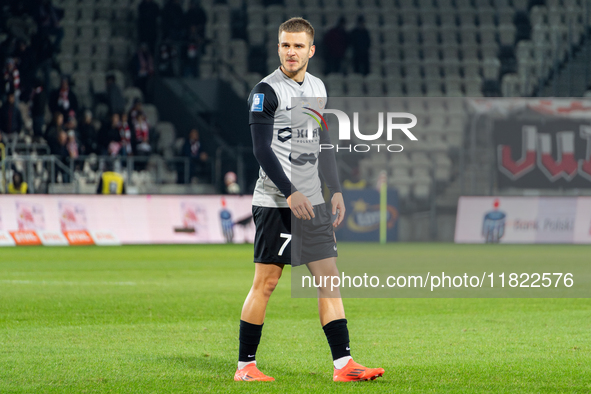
220, 367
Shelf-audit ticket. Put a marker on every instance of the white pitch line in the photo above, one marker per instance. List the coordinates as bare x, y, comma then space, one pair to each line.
62, 283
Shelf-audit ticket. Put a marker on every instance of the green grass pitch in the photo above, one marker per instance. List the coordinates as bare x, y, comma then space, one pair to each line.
164, 319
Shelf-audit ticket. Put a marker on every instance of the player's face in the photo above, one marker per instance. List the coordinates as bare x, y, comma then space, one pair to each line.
294, 52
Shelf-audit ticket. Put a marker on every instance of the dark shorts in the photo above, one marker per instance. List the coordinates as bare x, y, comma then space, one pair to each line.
281, 238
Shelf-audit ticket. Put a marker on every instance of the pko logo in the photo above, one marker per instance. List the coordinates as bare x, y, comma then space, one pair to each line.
345, 130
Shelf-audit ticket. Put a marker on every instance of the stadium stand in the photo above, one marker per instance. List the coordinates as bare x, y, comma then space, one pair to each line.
419, 49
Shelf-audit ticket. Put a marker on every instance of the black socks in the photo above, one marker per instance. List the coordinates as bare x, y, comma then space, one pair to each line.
337, 335
250, 336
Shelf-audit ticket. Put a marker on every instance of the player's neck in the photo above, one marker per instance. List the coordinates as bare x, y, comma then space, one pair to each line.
298, 76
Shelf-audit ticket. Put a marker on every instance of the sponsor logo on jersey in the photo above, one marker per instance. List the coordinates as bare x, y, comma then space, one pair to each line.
303, 159
257, 102
284, 134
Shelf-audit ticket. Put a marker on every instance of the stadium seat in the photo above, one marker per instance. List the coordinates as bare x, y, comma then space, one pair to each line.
449, 36
166, 138
490, 68
473, 87
151, 114
421, 189
447, 18
399, 177
374, 85
506, 34
97, 82
394, 88
130, 94
510, 85
80, 80
468, 36
428, 17
431, 53
466, 17
451, 69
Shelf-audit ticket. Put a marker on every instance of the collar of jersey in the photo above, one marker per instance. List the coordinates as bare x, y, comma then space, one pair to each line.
291, 80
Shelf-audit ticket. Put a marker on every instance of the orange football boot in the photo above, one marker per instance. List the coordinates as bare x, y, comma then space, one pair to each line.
251, 373
353, 372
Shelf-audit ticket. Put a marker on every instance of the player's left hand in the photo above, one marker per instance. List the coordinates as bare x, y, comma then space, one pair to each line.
338, 206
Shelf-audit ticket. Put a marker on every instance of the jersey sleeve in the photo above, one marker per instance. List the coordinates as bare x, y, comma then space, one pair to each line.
262, 104
327, 165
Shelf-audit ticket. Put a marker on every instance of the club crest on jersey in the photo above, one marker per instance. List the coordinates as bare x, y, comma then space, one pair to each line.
257, 102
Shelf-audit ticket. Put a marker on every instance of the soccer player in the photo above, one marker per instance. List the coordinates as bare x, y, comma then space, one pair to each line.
289, 185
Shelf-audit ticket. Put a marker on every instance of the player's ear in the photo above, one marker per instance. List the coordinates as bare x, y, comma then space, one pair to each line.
312, 51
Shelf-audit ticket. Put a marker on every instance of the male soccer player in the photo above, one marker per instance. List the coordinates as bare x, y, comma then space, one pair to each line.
289, 184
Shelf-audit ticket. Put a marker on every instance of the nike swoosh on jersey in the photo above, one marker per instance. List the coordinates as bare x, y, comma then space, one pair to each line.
289, 109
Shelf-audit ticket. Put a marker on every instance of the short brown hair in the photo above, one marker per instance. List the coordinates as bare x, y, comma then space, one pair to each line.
297, 25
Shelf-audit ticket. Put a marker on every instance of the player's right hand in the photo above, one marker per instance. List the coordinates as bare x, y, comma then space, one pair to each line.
300, 206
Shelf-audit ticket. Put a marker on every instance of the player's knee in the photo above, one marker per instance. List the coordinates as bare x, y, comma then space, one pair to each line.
269, 286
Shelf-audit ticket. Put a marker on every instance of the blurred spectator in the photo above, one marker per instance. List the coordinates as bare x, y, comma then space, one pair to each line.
335, 46
59, 148
360, 41
192, 53
197, 17
148, 13
166, 58
43, 49
142, 66
88, 135
115, 100
172, 21
18, 186
523, 25
110, 182
127, 139
70, 127
354, 182
230, 181
55, 127
142, 134
48, 20
72, 145
26, 66
135, 110
38, 106
193, 149
111, 136
11, 120
12, 80
63, 99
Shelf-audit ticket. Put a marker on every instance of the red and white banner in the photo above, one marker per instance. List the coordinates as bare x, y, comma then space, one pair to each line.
52, 238
115, 220
523, 220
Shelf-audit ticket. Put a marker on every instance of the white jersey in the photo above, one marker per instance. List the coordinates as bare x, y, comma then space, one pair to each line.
293, 110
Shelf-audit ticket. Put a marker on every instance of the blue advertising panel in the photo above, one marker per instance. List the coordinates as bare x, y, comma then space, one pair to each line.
362, 217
